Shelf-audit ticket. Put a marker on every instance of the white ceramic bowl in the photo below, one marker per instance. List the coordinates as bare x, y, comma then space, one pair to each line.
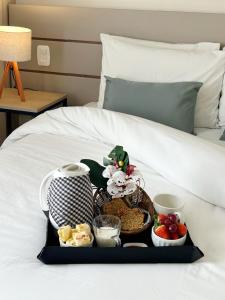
160, 242
62, 244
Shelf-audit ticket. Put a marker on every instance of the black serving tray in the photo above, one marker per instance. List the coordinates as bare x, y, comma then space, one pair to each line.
52, 253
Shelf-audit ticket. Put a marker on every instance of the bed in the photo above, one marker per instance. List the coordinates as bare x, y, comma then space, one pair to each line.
171, 161
62, 136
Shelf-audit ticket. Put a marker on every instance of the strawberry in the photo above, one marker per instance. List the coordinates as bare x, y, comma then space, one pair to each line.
162, 232
161, 218
182, 229
174, 236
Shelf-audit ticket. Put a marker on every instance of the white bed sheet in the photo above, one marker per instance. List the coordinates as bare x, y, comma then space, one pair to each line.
212, 135
22, 230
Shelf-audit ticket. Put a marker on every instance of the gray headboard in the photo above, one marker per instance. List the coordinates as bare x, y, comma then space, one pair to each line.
72, 34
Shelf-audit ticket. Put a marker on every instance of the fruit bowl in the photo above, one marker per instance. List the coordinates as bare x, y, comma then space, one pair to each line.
168, 230
160, 242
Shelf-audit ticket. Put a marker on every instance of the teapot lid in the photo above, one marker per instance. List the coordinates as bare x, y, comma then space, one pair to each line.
72, 170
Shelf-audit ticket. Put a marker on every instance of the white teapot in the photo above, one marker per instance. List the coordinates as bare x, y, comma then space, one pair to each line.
66, 194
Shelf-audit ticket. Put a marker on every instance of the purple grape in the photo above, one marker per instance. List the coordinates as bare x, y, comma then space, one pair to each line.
172, 218
173, 228
167, 222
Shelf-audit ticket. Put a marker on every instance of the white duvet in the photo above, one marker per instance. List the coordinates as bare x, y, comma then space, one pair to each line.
171, 162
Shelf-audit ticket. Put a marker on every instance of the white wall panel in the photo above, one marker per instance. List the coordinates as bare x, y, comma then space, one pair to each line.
177, 5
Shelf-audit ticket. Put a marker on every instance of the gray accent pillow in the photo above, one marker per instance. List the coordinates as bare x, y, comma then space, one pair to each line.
172, 104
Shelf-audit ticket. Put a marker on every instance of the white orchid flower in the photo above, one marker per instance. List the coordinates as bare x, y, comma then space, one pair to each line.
121, 191
109, 171
119, 183
130, 188
119, 177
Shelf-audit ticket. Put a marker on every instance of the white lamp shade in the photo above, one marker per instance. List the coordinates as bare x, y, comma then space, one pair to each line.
15, 43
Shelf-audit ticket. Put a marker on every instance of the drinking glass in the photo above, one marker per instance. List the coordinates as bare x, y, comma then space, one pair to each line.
107, 231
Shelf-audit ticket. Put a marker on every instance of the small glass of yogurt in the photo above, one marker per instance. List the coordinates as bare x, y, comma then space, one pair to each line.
107, 231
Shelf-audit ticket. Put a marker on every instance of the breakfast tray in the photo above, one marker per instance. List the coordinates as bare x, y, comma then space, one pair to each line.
52, 253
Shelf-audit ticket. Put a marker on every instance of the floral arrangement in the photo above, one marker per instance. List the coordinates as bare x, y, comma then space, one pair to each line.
123, 177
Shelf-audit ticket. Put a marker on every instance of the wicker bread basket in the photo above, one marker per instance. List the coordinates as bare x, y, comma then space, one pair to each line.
139, 199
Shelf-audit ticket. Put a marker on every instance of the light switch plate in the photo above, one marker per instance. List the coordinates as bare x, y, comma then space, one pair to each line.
43, 55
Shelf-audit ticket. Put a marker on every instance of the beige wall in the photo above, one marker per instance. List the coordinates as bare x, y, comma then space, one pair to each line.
2, 119
177, 5
3, 20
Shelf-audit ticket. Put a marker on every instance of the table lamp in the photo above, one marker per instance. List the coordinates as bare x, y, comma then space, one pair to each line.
15, 46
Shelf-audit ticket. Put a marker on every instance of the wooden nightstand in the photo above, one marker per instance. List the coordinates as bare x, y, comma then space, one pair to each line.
36, 103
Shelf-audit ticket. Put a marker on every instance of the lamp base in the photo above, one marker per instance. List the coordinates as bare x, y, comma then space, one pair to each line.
14, 66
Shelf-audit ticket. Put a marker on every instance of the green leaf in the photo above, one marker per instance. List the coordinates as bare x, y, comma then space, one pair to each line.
96, 171
107, 161
118, 154
126, 162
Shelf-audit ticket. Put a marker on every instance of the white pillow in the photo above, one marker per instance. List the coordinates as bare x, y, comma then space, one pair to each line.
222, 104
137, 61
204, 46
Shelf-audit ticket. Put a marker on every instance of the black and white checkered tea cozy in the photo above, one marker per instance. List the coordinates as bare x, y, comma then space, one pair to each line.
70, 200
